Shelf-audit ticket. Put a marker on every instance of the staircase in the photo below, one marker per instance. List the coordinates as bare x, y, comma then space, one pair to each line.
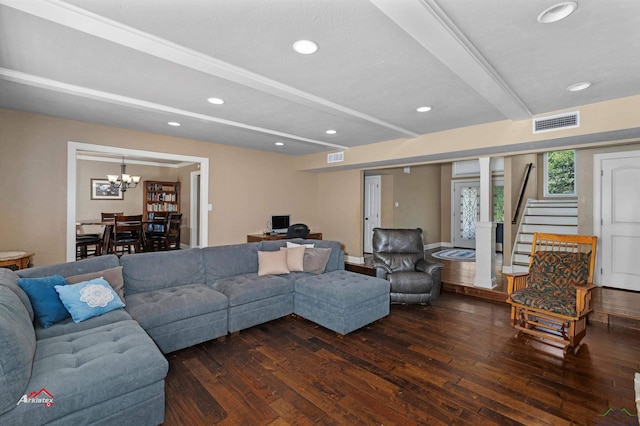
556, 217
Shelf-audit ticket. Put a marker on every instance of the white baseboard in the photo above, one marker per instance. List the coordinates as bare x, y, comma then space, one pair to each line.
354, 260
437, 245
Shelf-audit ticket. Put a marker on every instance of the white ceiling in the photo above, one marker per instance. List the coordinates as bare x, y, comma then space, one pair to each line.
140, 63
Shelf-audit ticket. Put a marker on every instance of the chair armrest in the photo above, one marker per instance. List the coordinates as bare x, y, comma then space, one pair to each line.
382, 270
516, 281
427, 266
583, 298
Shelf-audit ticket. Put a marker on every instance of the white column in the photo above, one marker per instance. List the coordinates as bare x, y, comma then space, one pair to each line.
485, 231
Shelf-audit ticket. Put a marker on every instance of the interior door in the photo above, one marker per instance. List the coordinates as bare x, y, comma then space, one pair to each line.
620, 229
371, 209
466, 212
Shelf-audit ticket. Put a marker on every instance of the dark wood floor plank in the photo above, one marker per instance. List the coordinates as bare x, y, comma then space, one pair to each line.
456, 362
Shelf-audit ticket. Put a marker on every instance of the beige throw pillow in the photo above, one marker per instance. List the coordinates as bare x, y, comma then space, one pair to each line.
295, 258
272, 263
315, 259
113, 276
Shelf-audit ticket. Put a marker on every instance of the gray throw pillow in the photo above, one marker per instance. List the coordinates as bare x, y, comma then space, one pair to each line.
315, 259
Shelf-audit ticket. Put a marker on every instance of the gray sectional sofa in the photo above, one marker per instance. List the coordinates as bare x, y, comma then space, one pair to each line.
110, 369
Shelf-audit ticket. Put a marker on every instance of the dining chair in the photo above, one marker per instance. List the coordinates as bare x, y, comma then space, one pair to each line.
127, 233
171, 239
154, 230
107, 234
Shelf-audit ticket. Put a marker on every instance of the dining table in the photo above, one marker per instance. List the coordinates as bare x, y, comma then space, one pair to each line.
108, 227
106, 235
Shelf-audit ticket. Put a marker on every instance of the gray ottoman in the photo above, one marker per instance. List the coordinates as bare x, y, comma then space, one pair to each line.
341, 301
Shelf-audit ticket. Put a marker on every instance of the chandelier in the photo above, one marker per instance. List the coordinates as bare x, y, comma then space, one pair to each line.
123, 181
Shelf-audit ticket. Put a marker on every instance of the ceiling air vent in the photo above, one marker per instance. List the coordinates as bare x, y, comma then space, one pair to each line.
555, 122
335, 157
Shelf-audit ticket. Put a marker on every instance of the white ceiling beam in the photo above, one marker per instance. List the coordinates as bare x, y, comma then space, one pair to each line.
90, 23
427, 23
45, 83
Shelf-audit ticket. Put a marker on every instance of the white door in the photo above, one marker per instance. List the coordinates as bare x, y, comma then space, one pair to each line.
466, 212
620, 229
371, 209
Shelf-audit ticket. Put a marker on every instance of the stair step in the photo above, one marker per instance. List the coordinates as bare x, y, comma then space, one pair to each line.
551, 229
551, 211
558, 203
550, 220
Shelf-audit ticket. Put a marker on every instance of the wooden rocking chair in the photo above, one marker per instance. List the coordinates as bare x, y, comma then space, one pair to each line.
552, 300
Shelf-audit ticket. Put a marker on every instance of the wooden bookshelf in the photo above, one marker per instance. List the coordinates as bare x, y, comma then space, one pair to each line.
160, 196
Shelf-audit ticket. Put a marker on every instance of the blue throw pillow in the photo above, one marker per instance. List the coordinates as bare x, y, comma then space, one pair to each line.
89, 299
44, 299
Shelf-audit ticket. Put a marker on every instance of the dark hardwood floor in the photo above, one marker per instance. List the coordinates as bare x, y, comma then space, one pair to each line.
456, 362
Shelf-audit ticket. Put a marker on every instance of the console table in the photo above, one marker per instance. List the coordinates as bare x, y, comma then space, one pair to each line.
15, 259
255, 238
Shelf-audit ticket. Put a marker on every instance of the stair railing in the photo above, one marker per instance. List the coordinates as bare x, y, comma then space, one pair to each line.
523, 187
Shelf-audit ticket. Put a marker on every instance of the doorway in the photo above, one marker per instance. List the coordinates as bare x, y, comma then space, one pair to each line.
619, 218
371, 210
466, 212
72, 153
465, 198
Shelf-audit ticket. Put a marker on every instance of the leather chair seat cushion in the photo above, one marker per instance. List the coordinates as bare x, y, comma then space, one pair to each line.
410, 282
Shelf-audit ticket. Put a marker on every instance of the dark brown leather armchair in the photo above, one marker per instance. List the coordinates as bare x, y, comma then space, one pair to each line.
398, 256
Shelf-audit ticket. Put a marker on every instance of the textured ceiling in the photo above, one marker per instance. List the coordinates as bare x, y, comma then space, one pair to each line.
141, 63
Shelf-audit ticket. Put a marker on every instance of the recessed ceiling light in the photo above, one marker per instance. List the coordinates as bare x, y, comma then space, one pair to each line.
331, 132
557, 12
579, 86
173, 123
280, 143
305, 47
215, 101
423, 109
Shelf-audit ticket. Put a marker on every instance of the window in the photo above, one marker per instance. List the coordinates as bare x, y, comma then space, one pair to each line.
498, 203
560, 173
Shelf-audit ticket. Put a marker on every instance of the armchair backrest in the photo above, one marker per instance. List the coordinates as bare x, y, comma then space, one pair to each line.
559, 262
399, 249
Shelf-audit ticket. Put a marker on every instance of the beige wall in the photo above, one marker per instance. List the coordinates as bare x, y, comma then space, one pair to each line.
132, 202
417, 195
387, 196
246, 186
446, 170
339, 205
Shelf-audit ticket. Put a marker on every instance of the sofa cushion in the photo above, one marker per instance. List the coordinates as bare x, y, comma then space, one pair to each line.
68, 326
85, 369
154, 271
89, 299
92, 264
228, 261
9, 279
46, 304
112, 275
154, 308
247, 288
17, 348
272, 263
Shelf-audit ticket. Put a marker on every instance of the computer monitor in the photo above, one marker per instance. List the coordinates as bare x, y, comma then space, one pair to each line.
280, 224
